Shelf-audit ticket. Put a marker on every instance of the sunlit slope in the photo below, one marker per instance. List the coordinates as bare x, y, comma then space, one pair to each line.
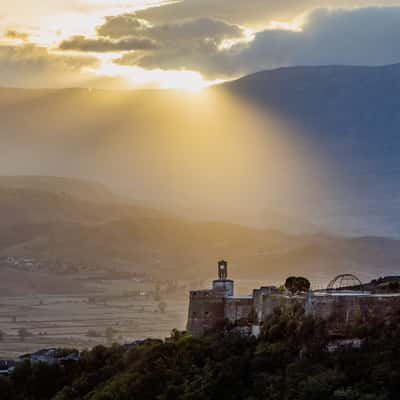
171, 248
62, 231
63, 186
29, 200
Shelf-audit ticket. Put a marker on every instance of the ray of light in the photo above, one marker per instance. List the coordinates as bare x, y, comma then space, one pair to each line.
137, 77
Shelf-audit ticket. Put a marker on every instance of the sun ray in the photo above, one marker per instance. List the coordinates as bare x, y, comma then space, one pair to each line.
137, 77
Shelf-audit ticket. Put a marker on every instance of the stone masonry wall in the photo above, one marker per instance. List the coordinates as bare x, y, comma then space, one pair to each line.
206, 312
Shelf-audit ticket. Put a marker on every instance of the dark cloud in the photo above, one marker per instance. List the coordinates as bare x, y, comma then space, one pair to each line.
103, 44
246, 12
13, 34
121, 25
186, 30
30, 65
364, 36
183, 44
203, 57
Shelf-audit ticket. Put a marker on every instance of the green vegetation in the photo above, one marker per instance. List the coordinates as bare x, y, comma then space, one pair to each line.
289, 361
296, 284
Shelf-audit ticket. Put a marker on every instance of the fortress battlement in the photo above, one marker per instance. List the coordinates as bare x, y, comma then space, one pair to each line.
211, 310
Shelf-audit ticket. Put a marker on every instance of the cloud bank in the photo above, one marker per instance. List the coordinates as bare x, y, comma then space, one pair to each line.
364, 36
102, 45
211, 37
252, 13
30, 65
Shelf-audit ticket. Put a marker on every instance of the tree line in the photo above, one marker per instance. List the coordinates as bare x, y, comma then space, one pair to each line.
289, 361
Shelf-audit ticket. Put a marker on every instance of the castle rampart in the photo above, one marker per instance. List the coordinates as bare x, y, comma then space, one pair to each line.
206, 311
212, 309
349, 307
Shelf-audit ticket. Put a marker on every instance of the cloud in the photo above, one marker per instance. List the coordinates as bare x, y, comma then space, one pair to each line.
102, 44
184, 44
13, 34
30, 65
190, 35
251, 13
182, 31
364, 36
121, 25
188, 45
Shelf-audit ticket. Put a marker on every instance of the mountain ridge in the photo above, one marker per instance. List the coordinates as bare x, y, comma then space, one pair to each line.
117, 238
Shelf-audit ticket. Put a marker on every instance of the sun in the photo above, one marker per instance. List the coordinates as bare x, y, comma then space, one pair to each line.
141, 78
189, 81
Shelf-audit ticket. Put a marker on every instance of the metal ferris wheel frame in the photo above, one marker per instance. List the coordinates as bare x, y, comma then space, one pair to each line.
345, 281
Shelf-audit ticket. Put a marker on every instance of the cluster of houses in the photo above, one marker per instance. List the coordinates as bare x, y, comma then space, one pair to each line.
53, 356
48, 356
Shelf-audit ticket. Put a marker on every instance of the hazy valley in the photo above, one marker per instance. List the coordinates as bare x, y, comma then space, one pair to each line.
247, 145
285, 173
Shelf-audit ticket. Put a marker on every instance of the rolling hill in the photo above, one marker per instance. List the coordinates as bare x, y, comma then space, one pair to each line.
60, 234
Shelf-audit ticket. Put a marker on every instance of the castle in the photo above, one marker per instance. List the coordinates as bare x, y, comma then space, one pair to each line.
211, 310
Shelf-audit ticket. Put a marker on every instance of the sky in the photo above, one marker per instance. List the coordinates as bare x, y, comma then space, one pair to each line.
186, 44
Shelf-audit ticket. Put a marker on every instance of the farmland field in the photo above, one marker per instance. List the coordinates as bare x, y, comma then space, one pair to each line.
131, 309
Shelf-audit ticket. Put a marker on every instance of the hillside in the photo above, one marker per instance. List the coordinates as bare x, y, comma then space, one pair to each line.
59, 233
294, 358
26, 200
81, 189
350, 115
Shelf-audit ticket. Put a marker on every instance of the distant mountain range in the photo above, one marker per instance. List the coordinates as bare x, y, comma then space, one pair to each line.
350, 115
59, 229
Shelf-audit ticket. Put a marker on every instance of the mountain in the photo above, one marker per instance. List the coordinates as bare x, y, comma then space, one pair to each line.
49, 235
63, 186
350, 116
26, 200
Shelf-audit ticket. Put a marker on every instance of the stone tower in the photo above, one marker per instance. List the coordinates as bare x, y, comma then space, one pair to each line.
207, 307
223, 283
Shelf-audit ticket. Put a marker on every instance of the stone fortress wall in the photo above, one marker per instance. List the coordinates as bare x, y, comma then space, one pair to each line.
212, 309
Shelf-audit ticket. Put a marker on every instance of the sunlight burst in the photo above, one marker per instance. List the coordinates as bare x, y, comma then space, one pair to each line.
136, 77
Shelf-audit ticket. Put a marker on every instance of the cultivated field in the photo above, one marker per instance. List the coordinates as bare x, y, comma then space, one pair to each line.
130, 309
101, 313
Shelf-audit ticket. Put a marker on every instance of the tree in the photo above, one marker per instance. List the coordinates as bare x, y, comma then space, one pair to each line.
303, 284
296, 284
290, 284
6, 389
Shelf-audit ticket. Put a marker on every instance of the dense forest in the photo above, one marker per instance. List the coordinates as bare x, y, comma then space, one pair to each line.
290, 360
